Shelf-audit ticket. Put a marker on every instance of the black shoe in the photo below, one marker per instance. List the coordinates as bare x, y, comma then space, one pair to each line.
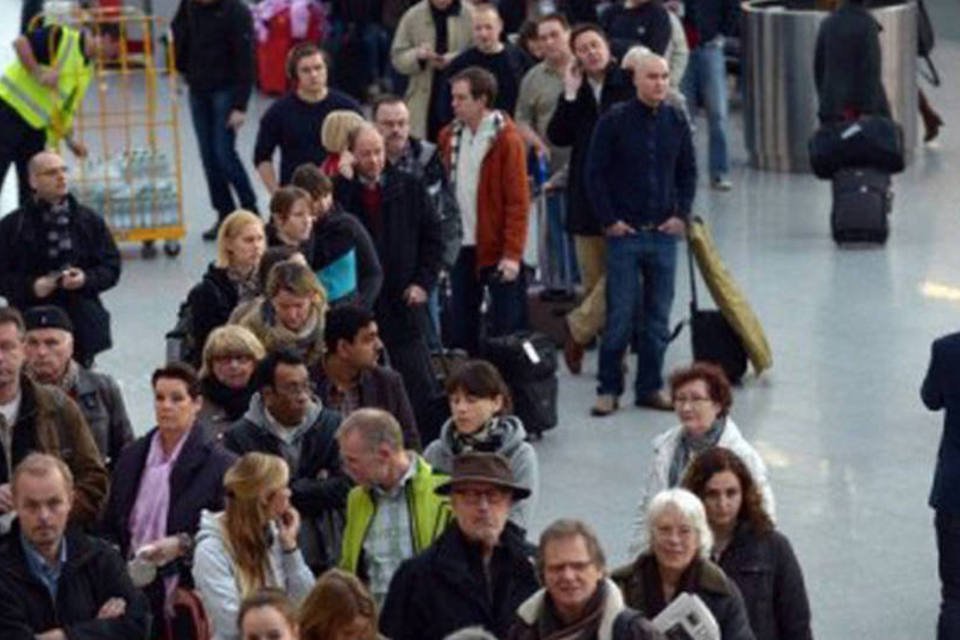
210, 235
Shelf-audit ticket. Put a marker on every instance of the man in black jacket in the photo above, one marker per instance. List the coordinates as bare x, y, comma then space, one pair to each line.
57, 583
285, 420
215, 55
56, 251
478, 572
353, 379
397, 211
49, 351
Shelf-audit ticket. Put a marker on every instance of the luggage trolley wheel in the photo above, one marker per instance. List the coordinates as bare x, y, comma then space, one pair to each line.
172, 248
148, 249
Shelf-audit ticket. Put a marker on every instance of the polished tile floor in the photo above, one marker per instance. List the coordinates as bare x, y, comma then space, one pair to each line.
838, 419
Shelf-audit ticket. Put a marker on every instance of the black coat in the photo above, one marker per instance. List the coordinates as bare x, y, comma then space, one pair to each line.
703, 579
382, 388
23, 259
847, 65
94, 573
215, 47
211, 301
571, 126
318, 484
769, 577
408, 243
941, 390
196, 483
443, 589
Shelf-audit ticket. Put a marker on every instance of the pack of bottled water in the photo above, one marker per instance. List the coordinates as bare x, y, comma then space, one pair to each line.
134, 189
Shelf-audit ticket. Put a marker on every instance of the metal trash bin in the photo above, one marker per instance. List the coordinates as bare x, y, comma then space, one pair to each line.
780, 96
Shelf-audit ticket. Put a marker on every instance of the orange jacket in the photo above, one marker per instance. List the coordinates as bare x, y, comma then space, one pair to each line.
503, 194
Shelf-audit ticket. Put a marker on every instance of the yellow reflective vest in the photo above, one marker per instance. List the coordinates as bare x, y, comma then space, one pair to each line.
429, 514
43, 107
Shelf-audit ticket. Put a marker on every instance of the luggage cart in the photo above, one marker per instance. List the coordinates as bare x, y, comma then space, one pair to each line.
130, 125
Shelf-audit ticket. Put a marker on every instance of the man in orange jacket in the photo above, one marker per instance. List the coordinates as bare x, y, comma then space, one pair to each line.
486, 158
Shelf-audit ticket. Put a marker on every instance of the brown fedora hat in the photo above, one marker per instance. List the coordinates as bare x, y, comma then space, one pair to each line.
488, 468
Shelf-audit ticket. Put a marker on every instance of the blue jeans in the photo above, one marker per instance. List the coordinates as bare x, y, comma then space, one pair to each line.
705, 84
641, 269
947, 526
218, 151
508, 303
562, 257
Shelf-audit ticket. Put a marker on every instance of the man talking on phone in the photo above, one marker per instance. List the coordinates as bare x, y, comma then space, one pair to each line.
55, 251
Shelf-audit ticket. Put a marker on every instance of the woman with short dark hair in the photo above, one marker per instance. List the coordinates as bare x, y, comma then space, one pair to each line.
482, 420
757, 557
701, 399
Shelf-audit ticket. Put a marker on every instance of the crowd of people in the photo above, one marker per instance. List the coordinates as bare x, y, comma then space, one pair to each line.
311, 474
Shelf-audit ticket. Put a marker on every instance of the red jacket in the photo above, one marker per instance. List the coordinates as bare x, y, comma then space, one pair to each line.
503, 194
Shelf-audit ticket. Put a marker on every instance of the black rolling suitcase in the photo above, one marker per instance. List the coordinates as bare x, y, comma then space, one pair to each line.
862, 201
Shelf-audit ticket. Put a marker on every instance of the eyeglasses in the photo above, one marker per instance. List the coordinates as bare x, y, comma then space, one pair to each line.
474, 497
694, 401
576, 567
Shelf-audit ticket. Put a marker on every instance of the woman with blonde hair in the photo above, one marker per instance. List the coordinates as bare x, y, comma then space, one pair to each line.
230, 279
335, 136
290, 314
230, 357
252, 544
338, 608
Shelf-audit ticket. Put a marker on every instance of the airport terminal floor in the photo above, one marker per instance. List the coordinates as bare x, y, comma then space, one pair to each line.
838, 419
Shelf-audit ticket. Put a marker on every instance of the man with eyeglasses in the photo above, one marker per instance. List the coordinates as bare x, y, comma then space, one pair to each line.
286, 420
478, 572
55, 251
578, 600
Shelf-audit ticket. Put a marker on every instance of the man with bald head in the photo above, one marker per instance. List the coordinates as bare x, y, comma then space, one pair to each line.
641, 177
396, 209
55, 251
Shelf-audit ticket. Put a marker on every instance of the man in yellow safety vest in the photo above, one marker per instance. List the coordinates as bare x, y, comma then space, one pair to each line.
42, 89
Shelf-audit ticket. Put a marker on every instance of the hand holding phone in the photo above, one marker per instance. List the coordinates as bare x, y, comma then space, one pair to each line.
288, 527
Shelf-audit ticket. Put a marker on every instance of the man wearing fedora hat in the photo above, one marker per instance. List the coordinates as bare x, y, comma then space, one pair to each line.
478, 572
49, 351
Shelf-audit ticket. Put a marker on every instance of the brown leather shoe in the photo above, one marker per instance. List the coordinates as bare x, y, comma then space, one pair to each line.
572, 352
658, 400
605, 405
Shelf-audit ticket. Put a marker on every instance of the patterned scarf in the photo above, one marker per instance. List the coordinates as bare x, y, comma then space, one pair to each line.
55, 223
690, 447
488, 438
458, 127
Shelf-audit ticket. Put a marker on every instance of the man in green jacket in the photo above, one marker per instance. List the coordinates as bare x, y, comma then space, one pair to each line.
393, 513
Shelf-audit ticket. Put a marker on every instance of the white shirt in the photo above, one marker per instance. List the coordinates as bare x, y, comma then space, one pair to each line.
10, 411
470, 154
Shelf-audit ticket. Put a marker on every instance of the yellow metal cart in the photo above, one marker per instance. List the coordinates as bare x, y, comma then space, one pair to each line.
129, 123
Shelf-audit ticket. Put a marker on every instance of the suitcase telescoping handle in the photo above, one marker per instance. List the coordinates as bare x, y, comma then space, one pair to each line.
693, 282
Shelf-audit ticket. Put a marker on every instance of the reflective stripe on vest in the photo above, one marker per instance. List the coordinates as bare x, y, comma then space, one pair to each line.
36, 103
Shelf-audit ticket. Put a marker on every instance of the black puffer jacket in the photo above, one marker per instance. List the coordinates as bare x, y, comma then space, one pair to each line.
770, 579
211, 302
572, 125
94, 573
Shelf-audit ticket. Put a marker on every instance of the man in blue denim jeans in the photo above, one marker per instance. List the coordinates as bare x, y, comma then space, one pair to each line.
214, 41
641, 176
705, 81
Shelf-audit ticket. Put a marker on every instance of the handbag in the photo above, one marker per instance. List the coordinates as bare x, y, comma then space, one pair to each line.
189, 621
870, 141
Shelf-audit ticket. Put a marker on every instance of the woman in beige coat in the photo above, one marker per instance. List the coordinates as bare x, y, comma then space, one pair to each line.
417, 53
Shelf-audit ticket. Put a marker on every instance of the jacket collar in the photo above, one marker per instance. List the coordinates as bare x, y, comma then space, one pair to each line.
531, 610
